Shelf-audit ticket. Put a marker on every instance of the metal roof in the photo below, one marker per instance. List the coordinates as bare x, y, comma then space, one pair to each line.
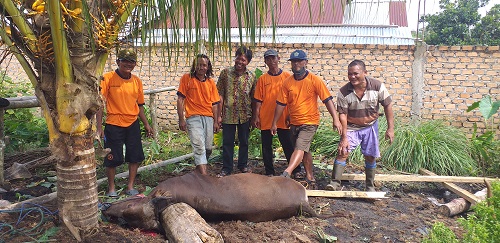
361, 22
341, 34
376, 12
328, 12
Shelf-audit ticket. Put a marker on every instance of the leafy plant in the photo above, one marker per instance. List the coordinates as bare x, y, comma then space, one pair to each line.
48, 233
440, 234
324, 237
432, 145
23, 129
483, 225
486, 149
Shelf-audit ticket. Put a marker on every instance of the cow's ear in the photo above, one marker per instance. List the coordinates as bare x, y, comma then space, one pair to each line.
160, 203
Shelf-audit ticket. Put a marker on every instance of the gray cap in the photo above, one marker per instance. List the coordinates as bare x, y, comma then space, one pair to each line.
270, 52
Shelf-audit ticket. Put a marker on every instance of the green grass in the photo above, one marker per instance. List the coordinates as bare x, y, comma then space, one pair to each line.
442, 149
326, 140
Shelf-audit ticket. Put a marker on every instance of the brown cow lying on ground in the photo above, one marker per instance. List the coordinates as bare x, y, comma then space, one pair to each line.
242, 196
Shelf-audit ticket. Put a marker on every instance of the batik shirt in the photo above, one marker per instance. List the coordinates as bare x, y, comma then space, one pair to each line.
237, 92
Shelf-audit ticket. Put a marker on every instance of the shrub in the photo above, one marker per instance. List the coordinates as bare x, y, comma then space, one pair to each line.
25, 130
440, 234
486, 149
443, 149
481, 226
484, 224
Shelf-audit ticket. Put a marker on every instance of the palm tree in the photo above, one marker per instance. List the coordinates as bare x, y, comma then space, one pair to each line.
63, 46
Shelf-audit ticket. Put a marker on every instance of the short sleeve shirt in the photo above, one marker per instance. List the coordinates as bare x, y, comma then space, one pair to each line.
199, 96
266, 92
301, 98
122, 98
362, 112
236, 92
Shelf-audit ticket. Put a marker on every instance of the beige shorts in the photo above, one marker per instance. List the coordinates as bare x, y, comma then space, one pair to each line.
302, 136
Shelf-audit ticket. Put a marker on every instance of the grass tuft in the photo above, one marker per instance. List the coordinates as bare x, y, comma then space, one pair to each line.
440, 148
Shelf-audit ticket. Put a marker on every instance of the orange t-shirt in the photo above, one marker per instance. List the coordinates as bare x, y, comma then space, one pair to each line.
266, 92
122, 98
301, 98
200, 96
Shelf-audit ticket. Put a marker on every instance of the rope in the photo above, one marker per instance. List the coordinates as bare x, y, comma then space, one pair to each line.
15, 229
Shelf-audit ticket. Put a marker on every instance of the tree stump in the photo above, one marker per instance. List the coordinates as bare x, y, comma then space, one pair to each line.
182, 223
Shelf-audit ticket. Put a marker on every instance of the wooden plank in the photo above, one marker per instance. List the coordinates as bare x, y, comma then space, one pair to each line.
473, 199
419, 178
345, 194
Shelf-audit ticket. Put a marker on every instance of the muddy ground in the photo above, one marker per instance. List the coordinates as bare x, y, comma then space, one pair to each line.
405, 216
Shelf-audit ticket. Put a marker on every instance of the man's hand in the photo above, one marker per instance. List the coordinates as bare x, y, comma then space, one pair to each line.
343, 146
256, 122
182, 125
274, 129
216, 127
149, 131
337, 126
389, 135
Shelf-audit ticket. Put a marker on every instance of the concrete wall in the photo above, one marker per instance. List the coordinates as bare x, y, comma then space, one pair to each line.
428, 82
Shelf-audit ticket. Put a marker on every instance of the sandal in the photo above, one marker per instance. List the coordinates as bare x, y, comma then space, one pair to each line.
299, 175
112, 194
245, 170
132, 192
222, 174
285, 174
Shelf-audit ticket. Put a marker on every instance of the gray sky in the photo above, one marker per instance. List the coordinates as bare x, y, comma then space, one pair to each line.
431, 7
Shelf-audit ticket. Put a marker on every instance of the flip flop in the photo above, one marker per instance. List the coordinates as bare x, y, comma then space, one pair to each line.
112, 194
132, 192
285, 174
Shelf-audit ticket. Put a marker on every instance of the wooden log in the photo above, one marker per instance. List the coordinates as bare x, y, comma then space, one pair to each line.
418, 178
459, 205
456, 189
183, 224
345, 194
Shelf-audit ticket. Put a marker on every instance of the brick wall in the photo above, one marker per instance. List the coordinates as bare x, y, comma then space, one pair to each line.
452, 77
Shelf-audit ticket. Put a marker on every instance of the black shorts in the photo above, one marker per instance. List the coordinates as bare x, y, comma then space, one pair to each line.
115, 137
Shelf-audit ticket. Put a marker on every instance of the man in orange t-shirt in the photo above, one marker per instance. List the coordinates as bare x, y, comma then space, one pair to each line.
124, 99
267, 89
300, 94
198, 96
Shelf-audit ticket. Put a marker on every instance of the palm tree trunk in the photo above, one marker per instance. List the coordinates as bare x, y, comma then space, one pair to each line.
77, 183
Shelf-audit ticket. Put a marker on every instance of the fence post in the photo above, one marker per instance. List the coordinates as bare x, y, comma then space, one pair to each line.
152, 113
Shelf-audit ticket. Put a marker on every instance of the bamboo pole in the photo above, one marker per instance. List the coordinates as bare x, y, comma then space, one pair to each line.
419, 178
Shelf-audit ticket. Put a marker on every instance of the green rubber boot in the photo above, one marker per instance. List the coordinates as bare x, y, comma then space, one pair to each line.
370, 180
334, 185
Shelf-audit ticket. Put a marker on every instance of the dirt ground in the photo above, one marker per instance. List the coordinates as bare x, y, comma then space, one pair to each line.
405, 216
